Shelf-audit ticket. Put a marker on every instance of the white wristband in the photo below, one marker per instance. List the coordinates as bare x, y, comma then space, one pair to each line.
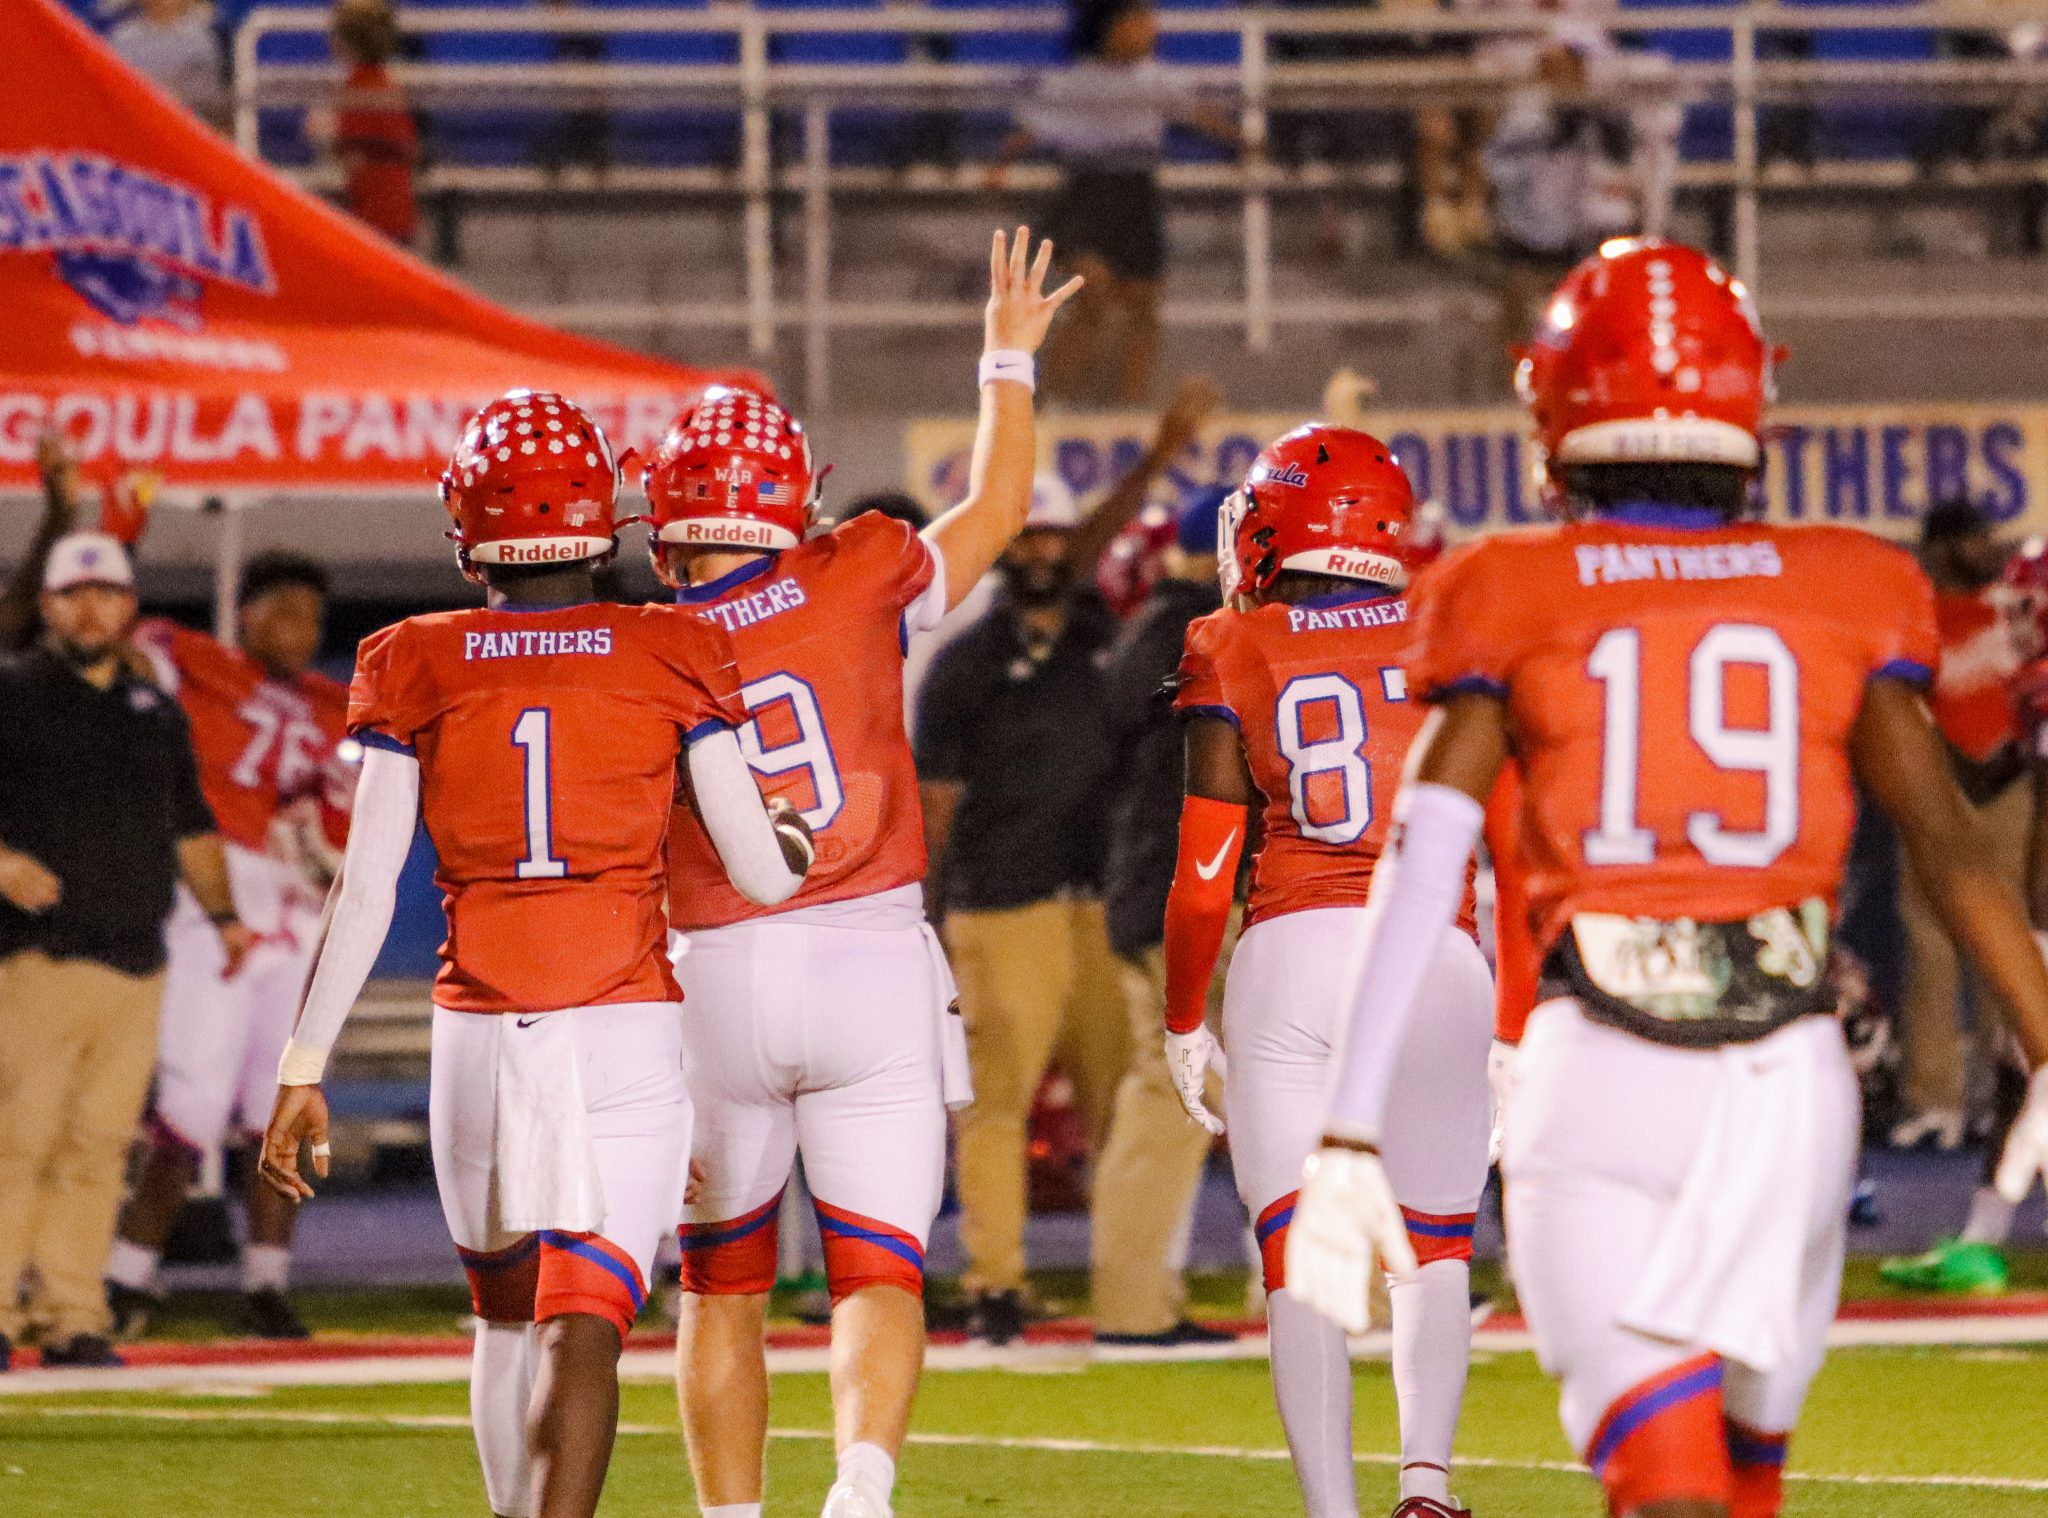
300, 1066
1010, 364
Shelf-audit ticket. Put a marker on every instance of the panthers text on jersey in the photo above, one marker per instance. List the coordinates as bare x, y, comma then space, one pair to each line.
1319, 695
548, 743
261, 741
819, 632
1680, 698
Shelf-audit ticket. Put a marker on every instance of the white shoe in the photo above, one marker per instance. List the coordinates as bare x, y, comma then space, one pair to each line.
1941, 1126
855, 1499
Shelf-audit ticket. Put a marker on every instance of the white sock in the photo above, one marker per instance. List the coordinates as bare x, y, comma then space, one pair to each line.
1312, 1384
1432, 1350
132, 1265
1990, 1220
502, 1368
265, 1267
732, 1510
870, 1465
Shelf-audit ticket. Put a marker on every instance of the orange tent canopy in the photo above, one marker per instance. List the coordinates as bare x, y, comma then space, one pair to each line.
170, 305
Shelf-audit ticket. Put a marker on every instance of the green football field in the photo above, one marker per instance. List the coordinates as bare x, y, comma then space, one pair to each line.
1902, 1433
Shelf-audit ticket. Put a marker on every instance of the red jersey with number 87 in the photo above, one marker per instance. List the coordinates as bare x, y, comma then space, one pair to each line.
548, 744
819, 631
1680, 700
1319, 697
261, 742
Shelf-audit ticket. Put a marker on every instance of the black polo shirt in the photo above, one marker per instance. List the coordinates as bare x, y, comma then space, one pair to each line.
100, 786
1030, 742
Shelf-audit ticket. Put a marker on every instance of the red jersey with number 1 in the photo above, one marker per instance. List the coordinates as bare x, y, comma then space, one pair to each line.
819, 631
548, 744
261, 741
1319, 697
1680, 696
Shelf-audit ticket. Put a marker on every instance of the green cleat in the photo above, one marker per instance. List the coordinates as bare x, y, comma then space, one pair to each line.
1951, 1268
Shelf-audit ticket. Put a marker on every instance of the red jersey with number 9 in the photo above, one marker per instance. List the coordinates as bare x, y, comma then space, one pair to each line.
819, 631
548, 744
1319, 697
261, 742
1680, 699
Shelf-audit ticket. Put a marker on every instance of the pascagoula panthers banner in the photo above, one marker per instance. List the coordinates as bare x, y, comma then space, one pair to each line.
1874, 467
169, 305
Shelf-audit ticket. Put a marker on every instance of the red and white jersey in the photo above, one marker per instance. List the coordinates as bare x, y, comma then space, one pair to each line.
262, 742
1319, 696
819, 632
1680, 699
548, 744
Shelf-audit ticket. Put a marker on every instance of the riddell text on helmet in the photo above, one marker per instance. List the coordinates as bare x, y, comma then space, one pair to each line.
744, 534
542, 553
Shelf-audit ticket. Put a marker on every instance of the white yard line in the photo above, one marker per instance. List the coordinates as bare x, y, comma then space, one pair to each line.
450, 1423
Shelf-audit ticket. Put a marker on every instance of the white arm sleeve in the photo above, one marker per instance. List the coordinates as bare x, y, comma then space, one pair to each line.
358, 910
1416, 888
730, 803
929, 609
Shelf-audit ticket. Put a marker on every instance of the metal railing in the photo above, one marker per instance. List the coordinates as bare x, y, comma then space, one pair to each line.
761, 89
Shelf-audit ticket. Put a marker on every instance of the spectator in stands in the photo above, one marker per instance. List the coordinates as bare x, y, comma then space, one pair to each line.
367, 127
1962, 554
1016, 761
173, 43
100, 815
1104, 117
1152, 1158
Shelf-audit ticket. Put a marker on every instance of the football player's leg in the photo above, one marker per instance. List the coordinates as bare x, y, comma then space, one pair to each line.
1762, 1408
1604, 1128
1278, 1003
503, 1268
1438, 1125
1013, 968
872, 1128
203, 1035
275, 983
593, 1283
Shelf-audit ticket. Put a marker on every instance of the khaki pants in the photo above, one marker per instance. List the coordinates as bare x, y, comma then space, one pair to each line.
1929, 1025
1146, 1178
77, 1043
1038, 986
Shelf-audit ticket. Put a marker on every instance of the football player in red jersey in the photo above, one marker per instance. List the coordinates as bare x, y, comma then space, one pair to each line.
1689, 694
264, 725
1296, 702
823, 1025
539, 739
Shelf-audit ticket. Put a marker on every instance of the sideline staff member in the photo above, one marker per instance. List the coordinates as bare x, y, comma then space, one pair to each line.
100, 814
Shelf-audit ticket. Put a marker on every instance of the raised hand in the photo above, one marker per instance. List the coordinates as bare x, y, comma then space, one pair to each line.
1019, 310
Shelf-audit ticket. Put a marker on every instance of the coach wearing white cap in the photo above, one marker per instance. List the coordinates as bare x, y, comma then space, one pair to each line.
100, 815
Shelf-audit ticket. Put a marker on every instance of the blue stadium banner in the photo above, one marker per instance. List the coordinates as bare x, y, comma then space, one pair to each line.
1868, 466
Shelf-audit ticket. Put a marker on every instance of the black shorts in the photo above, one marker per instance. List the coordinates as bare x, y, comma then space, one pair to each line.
1114, 213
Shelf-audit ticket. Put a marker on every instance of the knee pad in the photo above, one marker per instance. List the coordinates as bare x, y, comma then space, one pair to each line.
502, 1281
1271, 1232
1663, 1440
586, 1273
1440, 1235
862, 1251
1757, 1465
734, 1258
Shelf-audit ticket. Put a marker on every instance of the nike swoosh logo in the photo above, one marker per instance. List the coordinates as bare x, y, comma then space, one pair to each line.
1209, 871
525, 1022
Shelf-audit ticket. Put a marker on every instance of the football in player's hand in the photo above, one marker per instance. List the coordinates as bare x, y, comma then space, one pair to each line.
794, 834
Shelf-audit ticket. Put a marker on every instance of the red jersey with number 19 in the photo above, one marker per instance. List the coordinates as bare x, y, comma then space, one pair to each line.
260, 741
548, 743
1680, 694
1319, 697
819, 632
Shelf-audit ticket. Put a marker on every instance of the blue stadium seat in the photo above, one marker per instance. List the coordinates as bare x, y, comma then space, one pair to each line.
1880, 131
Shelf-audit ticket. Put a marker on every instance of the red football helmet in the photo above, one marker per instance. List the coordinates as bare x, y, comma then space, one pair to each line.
733, 471
533, 481
2022, 598
1323, 499
1649, 352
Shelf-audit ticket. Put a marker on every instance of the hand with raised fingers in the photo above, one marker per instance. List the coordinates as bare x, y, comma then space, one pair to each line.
299, 1117
1019, 310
